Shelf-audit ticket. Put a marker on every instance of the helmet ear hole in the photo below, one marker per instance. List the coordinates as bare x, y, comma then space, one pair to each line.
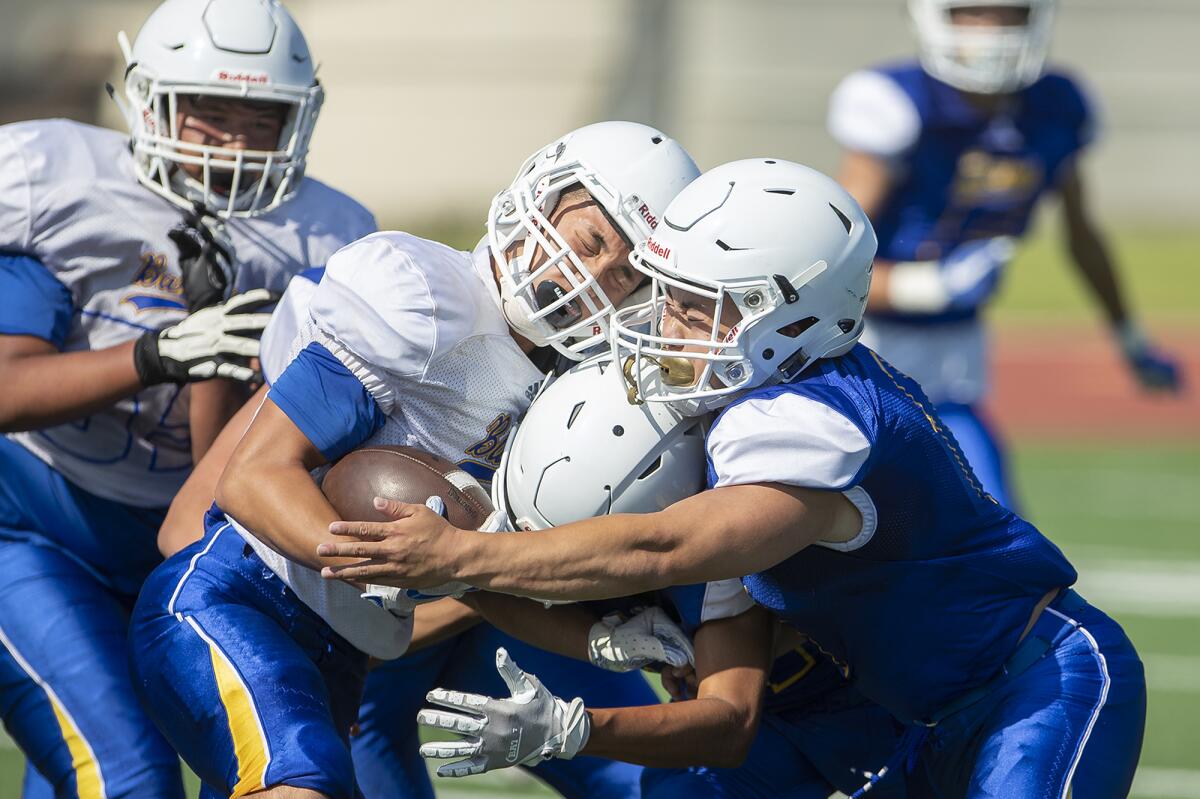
846, 325
795, 329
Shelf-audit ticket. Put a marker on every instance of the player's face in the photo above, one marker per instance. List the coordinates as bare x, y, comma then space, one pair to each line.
587, 230
690, 316
985, 16
227, 122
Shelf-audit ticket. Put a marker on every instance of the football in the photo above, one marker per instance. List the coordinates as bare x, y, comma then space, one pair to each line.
407, 475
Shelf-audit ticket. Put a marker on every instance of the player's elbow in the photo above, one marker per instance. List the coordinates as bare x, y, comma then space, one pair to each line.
231, 492
736, 740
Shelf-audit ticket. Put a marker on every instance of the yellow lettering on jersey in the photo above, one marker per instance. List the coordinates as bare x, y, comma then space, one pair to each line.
249, 743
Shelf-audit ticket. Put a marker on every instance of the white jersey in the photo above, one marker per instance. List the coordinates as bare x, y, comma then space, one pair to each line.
948, 359
419, 325
69, 198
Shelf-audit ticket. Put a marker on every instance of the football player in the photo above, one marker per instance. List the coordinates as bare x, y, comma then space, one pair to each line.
949, 156
837, 493
450, 646
583, 451
118, 251
249, 662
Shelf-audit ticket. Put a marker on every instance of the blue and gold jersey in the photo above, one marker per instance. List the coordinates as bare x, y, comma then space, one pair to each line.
961, 173
931, 597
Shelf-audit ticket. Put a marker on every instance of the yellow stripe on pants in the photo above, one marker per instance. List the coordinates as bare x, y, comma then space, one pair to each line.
87, 772
249, 745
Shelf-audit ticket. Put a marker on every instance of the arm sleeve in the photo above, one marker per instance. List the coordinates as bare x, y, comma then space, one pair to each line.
327, 402
787, 438
870, 113
32, 301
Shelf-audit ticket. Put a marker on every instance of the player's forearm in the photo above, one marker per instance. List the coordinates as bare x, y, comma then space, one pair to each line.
719, 534
213, 404
438, 621
879, 300
598, 558
700, 732
42, 390
561, 629
1095, 264
279, 503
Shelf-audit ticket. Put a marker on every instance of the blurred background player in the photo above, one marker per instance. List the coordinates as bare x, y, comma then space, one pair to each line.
250, 663
949, 156
118, 251
775, 717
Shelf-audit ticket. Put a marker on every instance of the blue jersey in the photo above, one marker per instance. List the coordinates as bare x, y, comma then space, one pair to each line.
961, 173
931, 596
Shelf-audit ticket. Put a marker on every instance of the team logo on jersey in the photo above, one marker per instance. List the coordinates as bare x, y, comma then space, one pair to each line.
155, 287
984, 177
483, 457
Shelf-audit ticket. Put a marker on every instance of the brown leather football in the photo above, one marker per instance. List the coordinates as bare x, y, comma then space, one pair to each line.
405, 474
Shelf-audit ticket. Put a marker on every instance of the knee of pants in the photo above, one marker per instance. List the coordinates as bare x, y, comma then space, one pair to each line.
243, 704
65, 691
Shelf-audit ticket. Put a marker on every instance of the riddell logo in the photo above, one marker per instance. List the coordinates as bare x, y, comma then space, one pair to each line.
258, 79
656, 248
650, 218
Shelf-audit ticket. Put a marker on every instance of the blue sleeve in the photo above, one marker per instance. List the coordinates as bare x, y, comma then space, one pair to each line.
32, 301
326, 401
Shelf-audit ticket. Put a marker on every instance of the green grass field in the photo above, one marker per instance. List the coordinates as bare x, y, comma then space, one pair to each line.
1128, 516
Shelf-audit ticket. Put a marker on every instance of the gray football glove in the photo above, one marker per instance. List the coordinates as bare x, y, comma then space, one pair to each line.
206, 259
531, 726
647, 638
213, 342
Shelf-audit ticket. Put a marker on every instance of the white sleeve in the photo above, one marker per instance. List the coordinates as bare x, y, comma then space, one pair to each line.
789, 439
724, 599
377, 305
15, 196
870, 113
289, 316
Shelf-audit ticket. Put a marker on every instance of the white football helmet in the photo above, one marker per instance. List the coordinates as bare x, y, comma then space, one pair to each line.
249, 49
633, 171
583, 451
785, 245
984, 60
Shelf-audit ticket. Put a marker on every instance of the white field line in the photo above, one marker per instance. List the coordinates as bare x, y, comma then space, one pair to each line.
1141, 586
1152, 782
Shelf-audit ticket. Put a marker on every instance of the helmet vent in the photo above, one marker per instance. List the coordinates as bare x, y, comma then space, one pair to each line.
844, 219
652, 468
846, 325
728, 248
574, 413
656, 139
788, 192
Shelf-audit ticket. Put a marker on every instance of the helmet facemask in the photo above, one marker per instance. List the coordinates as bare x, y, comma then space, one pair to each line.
520, 234
258, 180
984, 59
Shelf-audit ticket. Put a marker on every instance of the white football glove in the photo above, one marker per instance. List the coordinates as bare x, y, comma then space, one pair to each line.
531, 726
213, 342
962, 280
646, 638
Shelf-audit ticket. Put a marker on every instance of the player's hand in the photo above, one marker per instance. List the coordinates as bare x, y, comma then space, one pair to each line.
971, 272
647, 638
219, 341
1155, 370
414, 550
206, 259
530, 726
680, 682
